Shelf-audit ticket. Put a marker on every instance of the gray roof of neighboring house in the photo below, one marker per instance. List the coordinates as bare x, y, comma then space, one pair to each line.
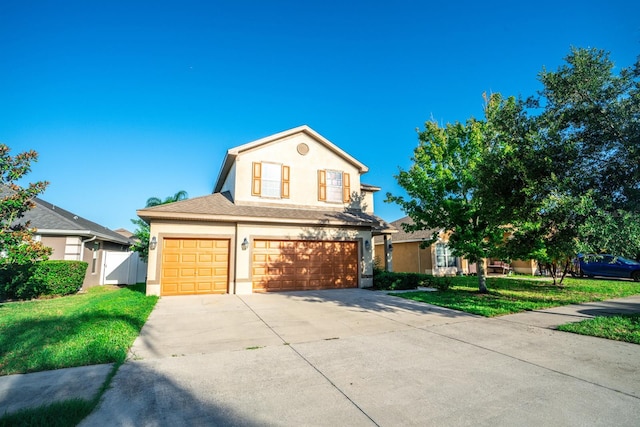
220, 207
51, 219
403, 236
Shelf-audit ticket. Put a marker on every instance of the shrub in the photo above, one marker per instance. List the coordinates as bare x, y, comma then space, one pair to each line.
387, 280
442, 283
14, 282
59, 277
44, 278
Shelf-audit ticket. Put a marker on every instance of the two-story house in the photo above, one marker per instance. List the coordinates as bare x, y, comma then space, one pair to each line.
288, 212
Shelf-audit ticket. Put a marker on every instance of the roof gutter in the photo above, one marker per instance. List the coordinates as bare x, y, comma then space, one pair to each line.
83, 233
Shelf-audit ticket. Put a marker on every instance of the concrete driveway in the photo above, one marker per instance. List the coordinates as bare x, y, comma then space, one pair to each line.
361, 358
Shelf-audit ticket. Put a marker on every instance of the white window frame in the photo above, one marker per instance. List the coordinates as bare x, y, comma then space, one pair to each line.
271, 180
335, 186
443, 251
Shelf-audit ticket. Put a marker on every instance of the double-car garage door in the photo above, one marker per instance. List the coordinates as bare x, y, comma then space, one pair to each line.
201, 266
302, 265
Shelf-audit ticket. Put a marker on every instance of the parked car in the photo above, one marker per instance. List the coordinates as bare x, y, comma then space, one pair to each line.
608, 266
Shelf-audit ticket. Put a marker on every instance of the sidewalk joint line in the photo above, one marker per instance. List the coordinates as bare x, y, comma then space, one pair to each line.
292, 347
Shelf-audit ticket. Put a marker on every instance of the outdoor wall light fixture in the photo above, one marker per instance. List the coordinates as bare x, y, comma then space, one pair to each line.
245, 244
367, 245
153, 243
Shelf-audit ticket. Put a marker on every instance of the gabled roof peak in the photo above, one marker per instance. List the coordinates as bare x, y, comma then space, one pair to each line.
232, 153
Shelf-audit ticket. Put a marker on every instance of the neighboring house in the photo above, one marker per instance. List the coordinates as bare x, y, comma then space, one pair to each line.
77, 239
288, 212
436, 259
410, 257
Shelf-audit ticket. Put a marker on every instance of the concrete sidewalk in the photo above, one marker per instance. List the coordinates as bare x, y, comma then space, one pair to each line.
353, 357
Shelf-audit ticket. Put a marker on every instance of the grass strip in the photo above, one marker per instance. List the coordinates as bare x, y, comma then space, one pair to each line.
620, 328
96, 327
514, 295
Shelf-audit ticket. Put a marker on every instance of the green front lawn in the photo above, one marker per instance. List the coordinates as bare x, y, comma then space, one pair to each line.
619, 328
512, 295
85, 329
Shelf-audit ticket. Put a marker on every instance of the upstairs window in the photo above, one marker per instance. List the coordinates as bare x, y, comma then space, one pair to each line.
270, 180
333, 186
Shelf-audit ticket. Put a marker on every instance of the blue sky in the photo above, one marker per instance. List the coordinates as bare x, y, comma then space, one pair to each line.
125, 100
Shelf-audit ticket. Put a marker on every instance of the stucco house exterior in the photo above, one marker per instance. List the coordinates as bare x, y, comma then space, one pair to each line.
287, 212
78, 239
436, 259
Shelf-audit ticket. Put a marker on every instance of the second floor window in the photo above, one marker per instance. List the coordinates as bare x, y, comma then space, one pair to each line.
270, 180
333, 186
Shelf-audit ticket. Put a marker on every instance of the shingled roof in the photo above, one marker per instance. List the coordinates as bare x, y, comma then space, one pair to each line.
48, 218
220, 207
403, 236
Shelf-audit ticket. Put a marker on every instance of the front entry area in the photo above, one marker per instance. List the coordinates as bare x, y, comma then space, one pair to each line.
289, 265
194, 266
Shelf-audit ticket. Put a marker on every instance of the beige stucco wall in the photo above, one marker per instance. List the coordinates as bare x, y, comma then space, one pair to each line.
230, 182
367, 201
57, 243
239, 259
303, 170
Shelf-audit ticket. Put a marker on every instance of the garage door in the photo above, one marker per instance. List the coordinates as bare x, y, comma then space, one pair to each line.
303, 265
195, 266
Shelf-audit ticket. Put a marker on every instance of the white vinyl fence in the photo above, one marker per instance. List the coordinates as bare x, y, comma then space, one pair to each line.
123, 268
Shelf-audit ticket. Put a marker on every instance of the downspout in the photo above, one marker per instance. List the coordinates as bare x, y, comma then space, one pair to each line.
82, 242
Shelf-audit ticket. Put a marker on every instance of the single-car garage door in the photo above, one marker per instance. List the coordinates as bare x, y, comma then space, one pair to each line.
195, 266
285, 265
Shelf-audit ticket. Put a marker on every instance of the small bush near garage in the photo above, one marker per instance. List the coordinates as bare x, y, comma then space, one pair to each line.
45, 278
391, 281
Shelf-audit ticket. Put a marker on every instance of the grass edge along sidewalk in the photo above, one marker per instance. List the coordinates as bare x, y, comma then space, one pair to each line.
514, 295
95, 327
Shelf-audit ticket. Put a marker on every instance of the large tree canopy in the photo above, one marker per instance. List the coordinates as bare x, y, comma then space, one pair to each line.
543, 178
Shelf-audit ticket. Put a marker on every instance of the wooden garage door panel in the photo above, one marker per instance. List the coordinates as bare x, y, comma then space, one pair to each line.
194, 266
300, 265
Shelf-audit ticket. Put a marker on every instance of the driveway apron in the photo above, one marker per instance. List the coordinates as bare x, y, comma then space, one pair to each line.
361, 358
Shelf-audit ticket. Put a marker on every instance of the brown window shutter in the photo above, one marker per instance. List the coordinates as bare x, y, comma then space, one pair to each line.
322, 185
346, 187
285, 182
256, 185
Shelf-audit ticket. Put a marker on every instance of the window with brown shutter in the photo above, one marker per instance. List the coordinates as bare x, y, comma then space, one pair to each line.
285, 182
322, 185
270, 180
256, 180
333, 186
346, 187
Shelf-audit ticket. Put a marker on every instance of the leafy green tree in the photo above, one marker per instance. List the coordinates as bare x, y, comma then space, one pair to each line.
566, 180
142, 234
592, 115
441, 185
18, 251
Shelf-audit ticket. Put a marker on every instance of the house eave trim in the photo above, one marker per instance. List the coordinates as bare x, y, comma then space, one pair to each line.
247, 219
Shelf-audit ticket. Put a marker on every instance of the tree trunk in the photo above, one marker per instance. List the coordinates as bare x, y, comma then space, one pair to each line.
482, 276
